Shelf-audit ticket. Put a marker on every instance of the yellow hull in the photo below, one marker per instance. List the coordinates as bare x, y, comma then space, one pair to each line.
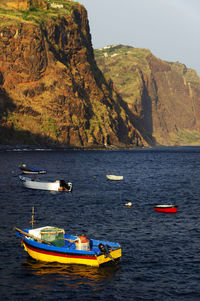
96, 261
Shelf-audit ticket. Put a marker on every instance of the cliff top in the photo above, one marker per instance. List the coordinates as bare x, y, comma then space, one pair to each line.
25, 5
34, 10
124, 64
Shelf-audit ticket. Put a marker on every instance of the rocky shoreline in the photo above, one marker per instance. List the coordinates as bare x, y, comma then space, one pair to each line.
20, 147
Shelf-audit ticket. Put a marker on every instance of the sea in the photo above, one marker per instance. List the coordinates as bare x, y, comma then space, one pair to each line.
160, 252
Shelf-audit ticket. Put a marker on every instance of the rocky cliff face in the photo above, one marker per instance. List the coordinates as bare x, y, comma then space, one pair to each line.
162, 98
51, 91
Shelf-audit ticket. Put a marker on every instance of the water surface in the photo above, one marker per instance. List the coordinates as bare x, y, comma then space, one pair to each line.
161, 257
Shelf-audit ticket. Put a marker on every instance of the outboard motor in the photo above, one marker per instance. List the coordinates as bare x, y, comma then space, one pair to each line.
66, 186
104, 249
69, 186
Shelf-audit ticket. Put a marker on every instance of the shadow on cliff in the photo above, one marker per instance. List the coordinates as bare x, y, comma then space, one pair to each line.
6, 107
143, 124
10, 135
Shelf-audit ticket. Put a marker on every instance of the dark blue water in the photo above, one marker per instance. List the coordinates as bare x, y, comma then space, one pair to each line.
161, 252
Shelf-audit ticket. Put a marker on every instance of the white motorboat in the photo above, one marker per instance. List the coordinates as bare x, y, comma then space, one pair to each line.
58, 185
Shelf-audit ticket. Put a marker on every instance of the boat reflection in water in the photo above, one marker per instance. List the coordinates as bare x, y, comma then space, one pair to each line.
76, 275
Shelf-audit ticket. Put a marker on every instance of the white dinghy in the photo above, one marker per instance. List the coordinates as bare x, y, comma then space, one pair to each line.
58, 185
114, 177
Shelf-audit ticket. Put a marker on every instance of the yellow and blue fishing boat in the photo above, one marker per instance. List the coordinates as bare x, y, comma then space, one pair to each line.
51, 244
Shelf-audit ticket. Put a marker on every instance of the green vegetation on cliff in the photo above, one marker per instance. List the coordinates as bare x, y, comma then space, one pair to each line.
123, 64
40, 15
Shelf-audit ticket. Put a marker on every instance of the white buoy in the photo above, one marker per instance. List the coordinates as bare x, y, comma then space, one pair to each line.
129, 204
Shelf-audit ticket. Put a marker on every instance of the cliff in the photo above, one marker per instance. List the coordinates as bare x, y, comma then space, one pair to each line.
162, 98
51, 90
53, 93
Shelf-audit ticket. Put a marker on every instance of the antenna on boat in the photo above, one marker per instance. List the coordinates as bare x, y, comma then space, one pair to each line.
32, 218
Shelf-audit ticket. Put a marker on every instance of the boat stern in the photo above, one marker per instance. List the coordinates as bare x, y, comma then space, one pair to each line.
114, 256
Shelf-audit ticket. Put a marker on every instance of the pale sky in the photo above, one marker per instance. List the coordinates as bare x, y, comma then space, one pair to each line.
169, 28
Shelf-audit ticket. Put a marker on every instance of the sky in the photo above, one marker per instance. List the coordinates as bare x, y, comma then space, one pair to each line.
169, 28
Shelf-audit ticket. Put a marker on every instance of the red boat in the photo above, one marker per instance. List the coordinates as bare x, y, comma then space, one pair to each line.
166, 208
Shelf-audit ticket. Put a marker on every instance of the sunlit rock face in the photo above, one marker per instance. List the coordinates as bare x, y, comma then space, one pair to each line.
51, 90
